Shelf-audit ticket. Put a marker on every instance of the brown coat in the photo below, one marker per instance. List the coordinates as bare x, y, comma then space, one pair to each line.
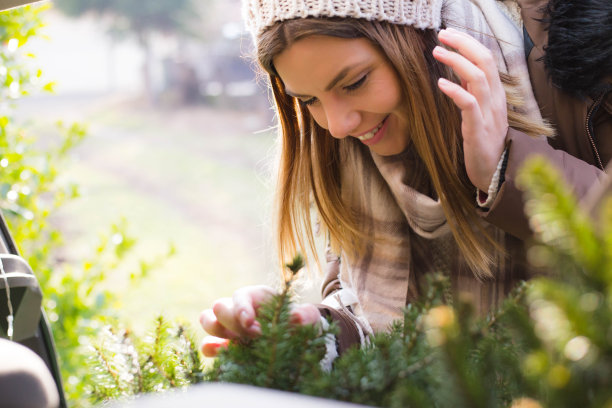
582, 145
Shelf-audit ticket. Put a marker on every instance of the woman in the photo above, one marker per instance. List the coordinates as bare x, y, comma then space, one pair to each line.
378, 134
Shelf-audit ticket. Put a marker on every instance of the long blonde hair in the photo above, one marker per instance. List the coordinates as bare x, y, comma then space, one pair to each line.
309, 158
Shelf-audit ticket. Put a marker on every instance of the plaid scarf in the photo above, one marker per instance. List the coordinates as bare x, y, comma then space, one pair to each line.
410, 236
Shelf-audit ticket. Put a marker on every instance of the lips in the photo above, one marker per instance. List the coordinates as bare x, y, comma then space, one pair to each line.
371, 133
374, 135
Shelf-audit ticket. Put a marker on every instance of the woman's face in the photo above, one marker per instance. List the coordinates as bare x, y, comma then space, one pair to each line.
349, 88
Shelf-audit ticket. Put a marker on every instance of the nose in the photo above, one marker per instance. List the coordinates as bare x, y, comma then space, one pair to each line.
341, 118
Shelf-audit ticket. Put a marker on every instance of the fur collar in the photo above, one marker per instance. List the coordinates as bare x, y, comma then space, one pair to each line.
579, 52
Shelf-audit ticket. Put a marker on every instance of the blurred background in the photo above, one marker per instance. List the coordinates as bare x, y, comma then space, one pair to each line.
178, 147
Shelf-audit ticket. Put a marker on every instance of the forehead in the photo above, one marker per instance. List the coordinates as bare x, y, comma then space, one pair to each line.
315, 60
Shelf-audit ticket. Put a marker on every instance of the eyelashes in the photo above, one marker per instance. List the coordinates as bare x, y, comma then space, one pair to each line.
349, 88
308, 102
357, 84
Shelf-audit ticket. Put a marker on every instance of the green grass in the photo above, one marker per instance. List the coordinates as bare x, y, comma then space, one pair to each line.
178, 181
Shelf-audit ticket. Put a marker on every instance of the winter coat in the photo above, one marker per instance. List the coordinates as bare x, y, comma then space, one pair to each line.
572, 83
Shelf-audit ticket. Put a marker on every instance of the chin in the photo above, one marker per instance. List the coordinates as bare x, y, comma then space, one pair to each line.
390, 150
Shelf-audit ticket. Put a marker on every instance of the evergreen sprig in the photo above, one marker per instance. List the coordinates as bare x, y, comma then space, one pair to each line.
571, 311
559, 223
284, 355
549, 344
123, 366
398, 368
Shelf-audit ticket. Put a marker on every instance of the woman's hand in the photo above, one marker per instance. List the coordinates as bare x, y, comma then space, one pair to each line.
482, 100
235, 317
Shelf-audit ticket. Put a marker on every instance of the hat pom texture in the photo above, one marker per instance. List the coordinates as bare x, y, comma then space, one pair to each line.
261, 14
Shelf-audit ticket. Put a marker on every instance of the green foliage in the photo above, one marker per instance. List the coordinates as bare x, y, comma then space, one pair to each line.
438, 356
549, 344
32, 189
284, 356
435, 357
571, 312
397, 368
78, 303
567, 231
17, 78
122, 365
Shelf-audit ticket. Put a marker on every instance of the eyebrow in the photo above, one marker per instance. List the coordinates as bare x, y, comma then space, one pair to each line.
341, 75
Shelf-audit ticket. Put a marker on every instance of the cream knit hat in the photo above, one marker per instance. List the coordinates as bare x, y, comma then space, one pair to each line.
261, 14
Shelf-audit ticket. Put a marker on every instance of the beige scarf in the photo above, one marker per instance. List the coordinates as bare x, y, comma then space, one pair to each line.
379, 283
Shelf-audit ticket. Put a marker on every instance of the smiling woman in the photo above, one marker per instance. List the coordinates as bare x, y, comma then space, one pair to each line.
387, 137
349, 88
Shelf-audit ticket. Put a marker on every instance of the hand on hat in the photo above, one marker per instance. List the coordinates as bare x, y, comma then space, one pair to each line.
482, 100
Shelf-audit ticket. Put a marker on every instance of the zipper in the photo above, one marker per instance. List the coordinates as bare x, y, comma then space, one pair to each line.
589, 125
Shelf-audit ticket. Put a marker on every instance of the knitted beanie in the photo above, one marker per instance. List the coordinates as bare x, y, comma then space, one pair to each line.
261, 14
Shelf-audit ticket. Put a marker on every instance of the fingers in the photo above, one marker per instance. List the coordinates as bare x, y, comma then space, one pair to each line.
246, 302
302, 314
471, 114
211, 325
480, 97
235, 317
211, 345
475, 65
231, 318
474, 78
462, 98
305, 314
226, 315
471, 49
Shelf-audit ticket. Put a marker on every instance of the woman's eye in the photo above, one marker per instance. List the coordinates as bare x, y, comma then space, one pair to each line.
308, 102
356, 84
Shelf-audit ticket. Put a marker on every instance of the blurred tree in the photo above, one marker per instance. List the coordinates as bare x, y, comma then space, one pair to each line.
78, 298
139, 19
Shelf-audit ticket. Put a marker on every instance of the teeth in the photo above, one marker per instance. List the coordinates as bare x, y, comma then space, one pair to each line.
371, 133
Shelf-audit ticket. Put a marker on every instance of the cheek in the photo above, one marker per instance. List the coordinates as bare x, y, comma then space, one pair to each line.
394, 97
318, 115
385, 98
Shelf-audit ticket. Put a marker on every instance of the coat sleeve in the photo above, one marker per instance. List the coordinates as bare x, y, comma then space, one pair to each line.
507, 211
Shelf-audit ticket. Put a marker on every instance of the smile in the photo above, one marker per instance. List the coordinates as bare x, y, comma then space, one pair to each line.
370, 135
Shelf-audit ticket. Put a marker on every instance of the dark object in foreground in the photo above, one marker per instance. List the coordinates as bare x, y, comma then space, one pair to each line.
23, 319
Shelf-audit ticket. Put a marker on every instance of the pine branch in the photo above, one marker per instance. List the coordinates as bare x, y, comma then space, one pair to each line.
558, 220
417, 366
549, 341
108, 368
132, 355
157, 358
282, 307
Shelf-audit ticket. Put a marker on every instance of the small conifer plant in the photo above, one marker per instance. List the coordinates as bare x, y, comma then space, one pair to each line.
548, 345
284, 356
